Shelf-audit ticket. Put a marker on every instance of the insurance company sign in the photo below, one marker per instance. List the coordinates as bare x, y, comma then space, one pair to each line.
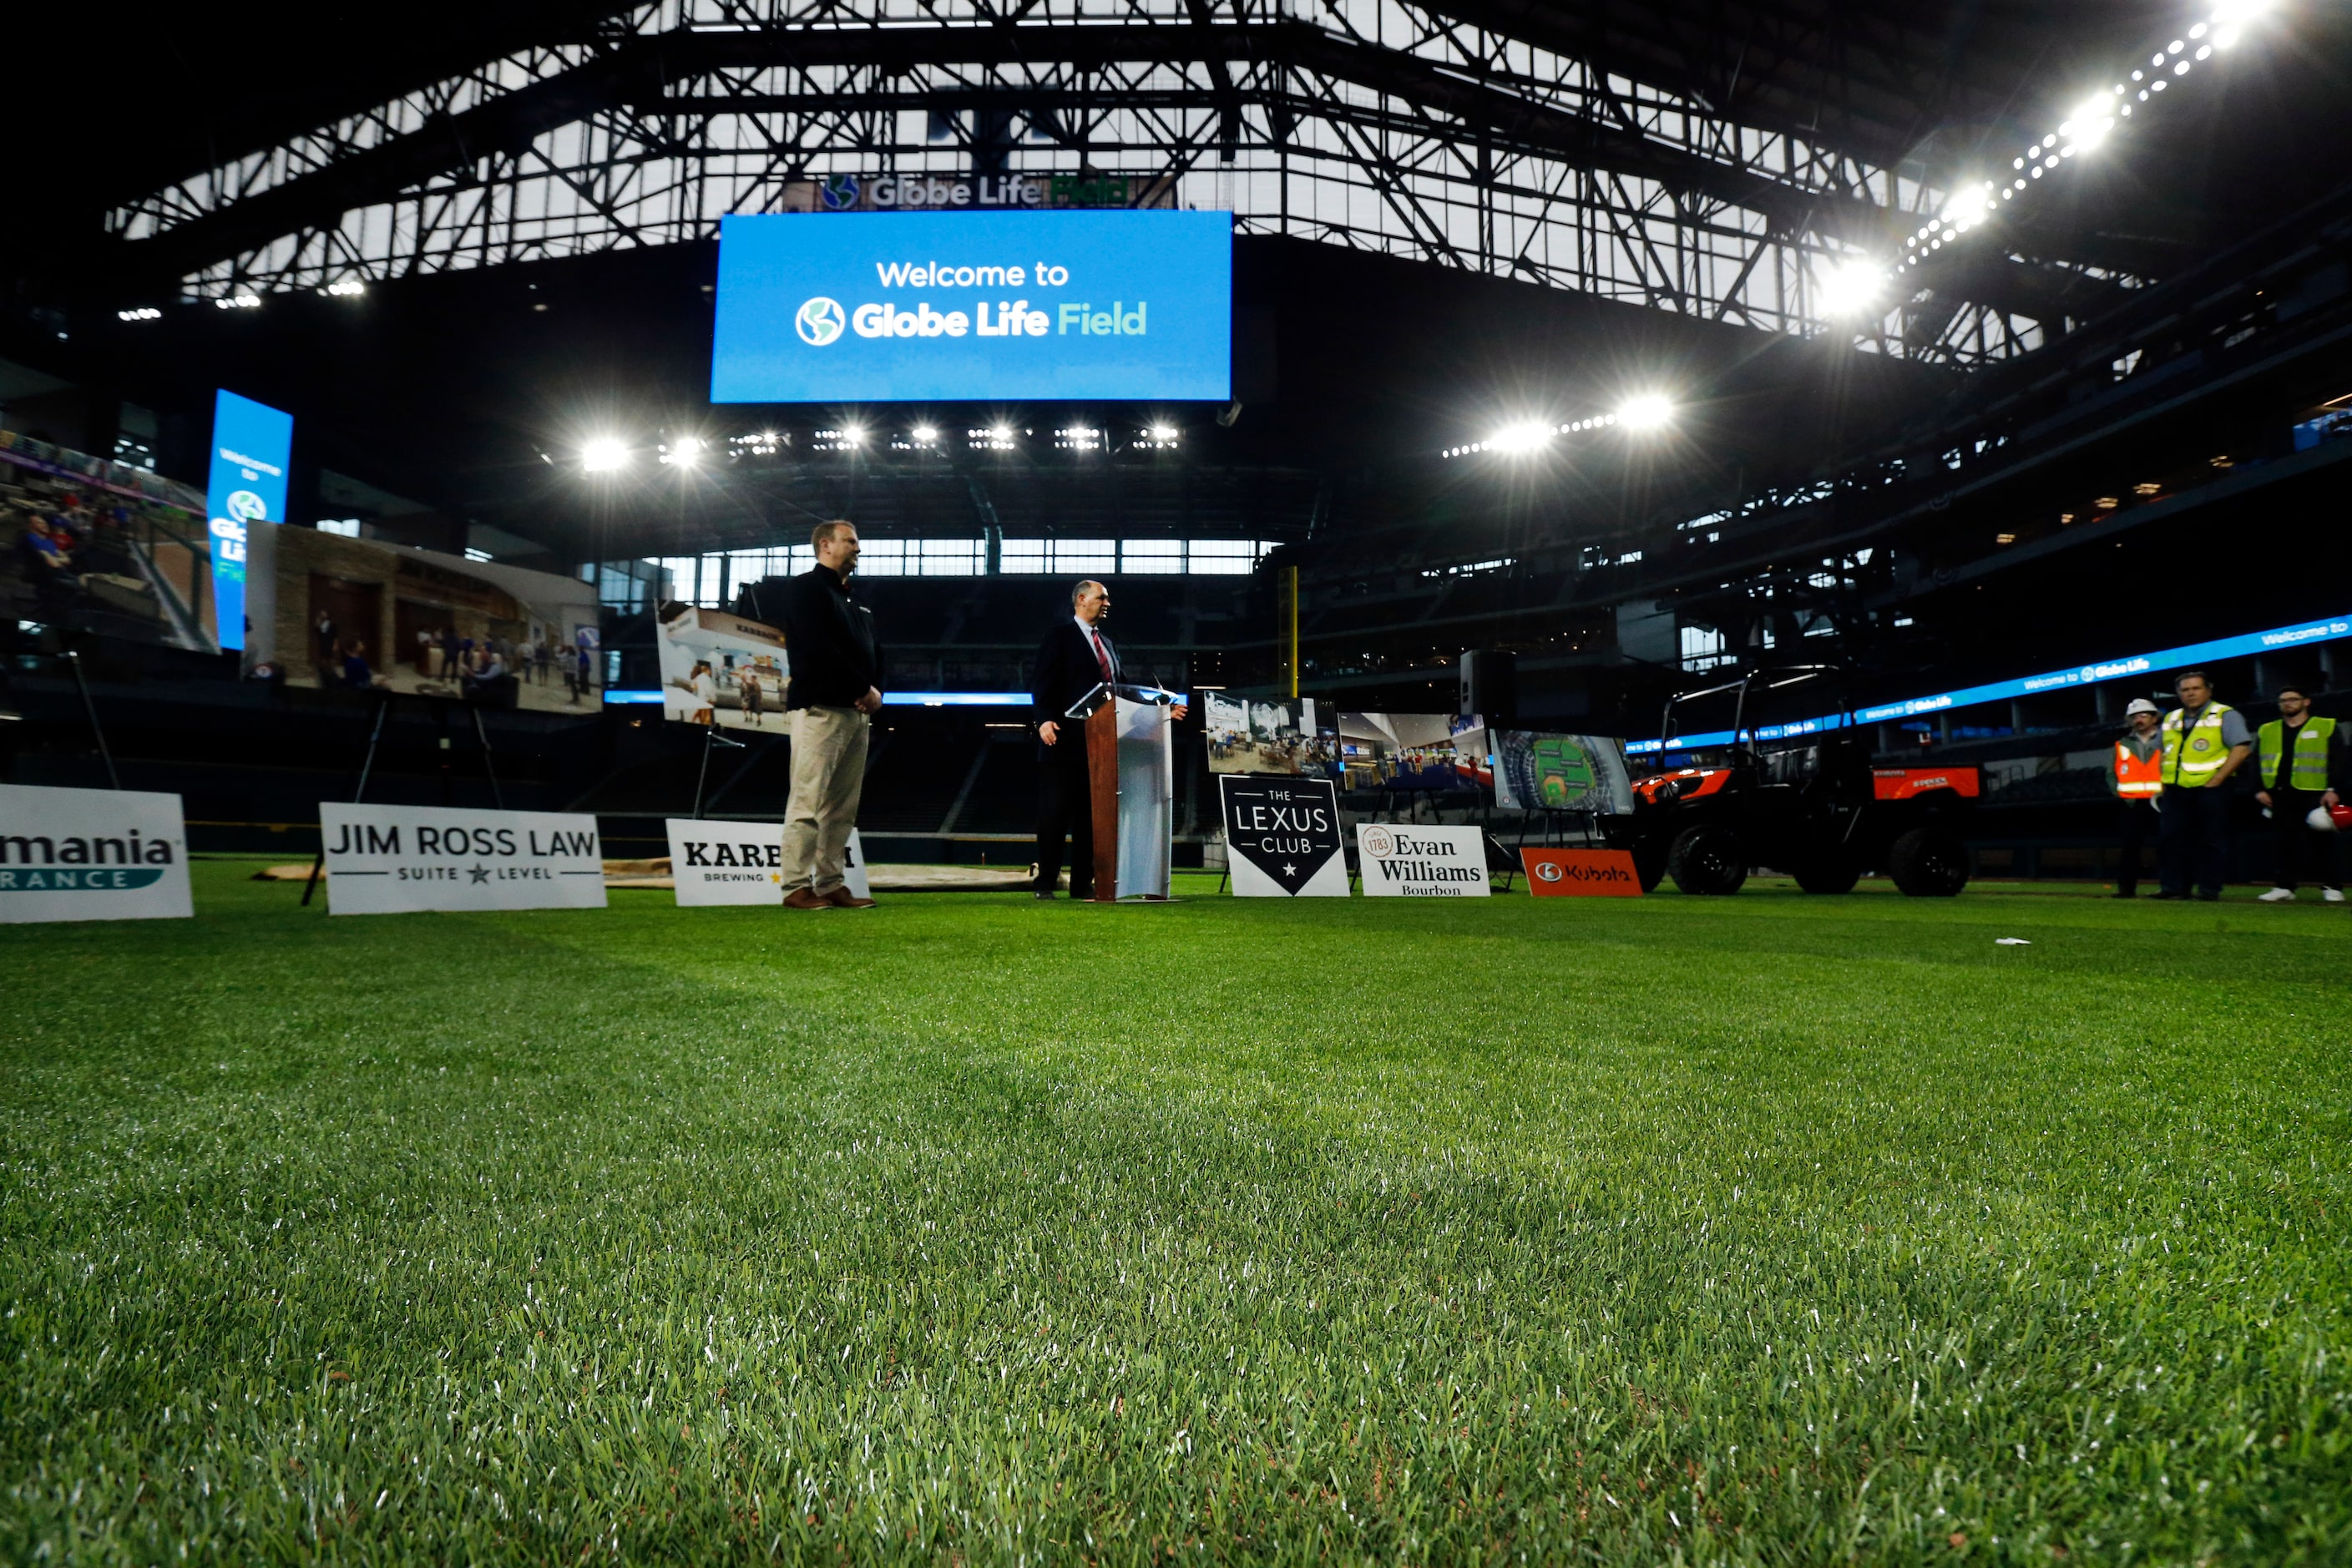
1409, 861
1282, 837
91, 855
740, 862
390, 860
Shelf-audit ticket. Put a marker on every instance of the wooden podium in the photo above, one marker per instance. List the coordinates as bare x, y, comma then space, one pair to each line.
1130, 775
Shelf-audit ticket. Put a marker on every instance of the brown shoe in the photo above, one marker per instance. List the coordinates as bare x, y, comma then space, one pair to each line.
803, 899
842, 899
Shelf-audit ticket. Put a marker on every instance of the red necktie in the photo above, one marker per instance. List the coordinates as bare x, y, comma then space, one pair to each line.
1101, 657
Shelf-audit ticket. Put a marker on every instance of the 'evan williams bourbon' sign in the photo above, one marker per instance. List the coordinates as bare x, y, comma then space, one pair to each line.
387, 860
1282, 837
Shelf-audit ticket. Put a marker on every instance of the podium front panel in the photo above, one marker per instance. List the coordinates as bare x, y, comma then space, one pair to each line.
1146, 800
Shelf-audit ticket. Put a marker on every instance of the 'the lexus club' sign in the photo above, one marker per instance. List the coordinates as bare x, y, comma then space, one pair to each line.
1282, 837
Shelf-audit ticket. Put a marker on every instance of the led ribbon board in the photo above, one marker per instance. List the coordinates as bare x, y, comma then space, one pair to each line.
251, 443
973, 306
2185, 656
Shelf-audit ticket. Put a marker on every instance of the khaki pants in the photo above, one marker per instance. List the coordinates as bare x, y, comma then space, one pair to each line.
828, 776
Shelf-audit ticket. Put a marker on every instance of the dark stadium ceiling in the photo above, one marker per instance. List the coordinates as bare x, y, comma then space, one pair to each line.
1708, 159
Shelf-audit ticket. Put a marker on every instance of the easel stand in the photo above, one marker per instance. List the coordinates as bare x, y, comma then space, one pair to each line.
710, 737
367, 766
112, 778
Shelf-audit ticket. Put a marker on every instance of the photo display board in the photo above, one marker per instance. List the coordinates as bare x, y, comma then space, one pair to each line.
1248, 735
91, 855
1415, 862
391, 859
1407, 750
719, 669
973, 306
1534, 770
1282, 837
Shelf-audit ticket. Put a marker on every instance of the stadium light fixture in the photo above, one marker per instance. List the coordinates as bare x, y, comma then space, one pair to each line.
345, 288
1849, 287
1650, 411
237, 302
603, 455
139, 313
684, 452
1523, 437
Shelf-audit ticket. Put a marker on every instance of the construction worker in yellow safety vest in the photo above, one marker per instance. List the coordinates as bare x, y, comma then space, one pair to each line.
2204, 742
2298, 759
2135, 775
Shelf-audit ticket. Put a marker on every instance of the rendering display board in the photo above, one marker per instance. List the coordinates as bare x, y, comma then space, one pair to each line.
1537, 771
1250, 736
1282, 837
330, 611
1416, 862
390, 860
717, 668
973, 305
1580, 873
1401, 751
252, 444
91, 855
740, 862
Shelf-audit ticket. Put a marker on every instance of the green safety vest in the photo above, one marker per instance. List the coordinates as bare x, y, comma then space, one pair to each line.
2192, 756
2309, 769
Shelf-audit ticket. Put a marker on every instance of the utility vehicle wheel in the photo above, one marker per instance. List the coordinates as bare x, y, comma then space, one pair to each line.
1650, 863
1826, 871
1928, 863
1707, 860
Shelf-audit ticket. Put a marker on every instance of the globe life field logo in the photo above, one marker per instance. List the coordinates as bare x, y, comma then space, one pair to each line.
819, 321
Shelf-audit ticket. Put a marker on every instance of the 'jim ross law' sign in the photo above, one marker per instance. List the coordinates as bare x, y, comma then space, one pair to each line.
91, 855
385, 859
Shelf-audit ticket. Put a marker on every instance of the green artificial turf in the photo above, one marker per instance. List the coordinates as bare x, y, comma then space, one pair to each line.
1770, 1229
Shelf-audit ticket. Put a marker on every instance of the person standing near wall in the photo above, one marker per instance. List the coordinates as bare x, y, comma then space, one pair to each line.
832, 691
2135, 775
2299, 758
2204, 742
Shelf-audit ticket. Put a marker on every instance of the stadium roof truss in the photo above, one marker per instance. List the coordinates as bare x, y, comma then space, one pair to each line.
1475, 133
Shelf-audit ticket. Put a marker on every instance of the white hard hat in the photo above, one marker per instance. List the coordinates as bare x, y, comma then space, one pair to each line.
2141, 705
2320, 821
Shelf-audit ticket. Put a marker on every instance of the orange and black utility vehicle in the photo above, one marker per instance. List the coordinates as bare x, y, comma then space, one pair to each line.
1807, 805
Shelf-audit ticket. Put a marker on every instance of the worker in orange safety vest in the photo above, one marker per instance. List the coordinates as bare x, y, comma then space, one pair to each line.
2135, 775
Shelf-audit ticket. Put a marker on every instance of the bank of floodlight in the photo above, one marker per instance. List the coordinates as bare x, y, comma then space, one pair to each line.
1848, 287
1527, 436
2088, 126
926, 434
603, 455
683, 452
1650, 411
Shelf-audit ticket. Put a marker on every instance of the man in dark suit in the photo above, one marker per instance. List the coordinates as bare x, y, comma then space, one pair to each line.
1075, 659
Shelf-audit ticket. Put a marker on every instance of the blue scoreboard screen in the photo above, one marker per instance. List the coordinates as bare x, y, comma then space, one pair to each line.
1134, 305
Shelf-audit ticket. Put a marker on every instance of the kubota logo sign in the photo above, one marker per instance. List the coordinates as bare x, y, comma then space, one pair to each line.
1580, 873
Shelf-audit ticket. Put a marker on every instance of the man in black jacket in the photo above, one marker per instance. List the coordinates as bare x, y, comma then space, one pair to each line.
1075, 659
834, 687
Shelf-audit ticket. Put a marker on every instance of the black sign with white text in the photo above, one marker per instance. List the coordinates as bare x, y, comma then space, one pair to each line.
1282, 836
